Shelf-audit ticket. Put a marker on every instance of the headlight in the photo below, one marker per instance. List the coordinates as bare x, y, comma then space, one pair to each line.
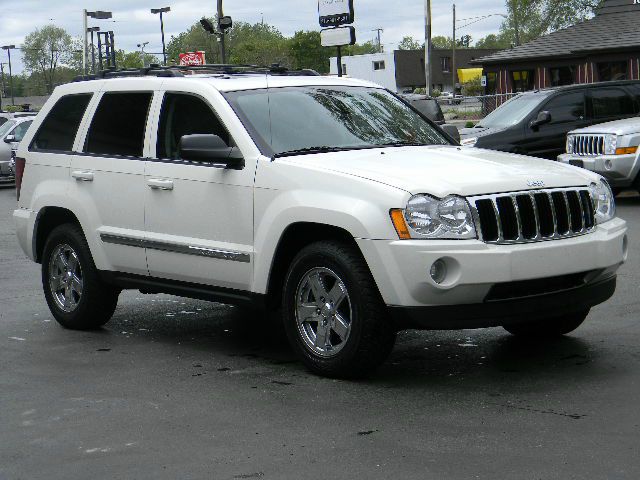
603, 201
449, 218
610, 144
469, 142
569, 148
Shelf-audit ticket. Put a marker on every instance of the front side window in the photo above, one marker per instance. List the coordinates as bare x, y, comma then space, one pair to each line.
21, 130
514, 111
567, 107
6, 127
611, 102
184, 114
119, 124
296, 118
58, 131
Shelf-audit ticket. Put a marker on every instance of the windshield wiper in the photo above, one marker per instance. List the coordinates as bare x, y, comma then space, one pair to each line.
404, 144
311, 150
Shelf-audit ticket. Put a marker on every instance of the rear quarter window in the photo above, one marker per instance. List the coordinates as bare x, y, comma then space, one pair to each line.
59, 129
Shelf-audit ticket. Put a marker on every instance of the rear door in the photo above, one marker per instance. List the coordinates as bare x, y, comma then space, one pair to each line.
199, 215
568, 112
108, 177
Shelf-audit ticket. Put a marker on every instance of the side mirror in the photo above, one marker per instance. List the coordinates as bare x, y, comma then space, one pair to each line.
542, 118
211, 149
452, 131
10, 139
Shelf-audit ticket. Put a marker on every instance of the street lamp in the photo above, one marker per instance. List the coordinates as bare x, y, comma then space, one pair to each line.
141, 47
93, 48
98, 15
8, 48
427, 46
161, 11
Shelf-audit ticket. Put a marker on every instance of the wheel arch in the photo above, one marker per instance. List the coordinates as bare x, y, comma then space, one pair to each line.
295, 237
47, 219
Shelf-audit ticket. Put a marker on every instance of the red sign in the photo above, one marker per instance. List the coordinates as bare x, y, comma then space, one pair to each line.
192, 58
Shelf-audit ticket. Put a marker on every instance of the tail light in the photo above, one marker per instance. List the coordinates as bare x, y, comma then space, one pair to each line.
20, 164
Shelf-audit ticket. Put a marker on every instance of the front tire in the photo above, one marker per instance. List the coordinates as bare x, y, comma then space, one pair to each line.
333, 313
549, 326
76, 296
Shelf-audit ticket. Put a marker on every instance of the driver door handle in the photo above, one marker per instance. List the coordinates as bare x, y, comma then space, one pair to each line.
82, 176
159, 184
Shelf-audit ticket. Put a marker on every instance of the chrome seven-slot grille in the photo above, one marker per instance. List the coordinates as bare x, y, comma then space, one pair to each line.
588, 145
524, 217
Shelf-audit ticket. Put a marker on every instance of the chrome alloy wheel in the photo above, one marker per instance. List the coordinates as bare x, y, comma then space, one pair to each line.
323, 312
65, 278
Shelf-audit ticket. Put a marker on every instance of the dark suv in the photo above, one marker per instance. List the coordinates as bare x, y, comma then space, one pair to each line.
536, 123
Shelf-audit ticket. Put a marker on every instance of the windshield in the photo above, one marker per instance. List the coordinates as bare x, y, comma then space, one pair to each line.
513, 112
6, 127
294, 119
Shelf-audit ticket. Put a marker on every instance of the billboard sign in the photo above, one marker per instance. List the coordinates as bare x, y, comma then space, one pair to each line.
334, 13
338, 37
191, 59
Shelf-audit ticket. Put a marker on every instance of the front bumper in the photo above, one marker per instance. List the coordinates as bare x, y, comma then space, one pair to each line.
401, 268
619, 170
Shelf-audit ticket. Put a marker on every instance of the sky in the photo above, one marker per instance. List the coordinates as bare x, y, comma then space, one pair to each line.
133, 23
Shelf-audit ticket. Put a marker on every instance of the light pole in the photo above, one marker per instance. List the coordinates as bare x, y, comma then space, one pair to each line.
427, 46
141, 47
161, 11
224, 23
98, 15
8, 48
453, 56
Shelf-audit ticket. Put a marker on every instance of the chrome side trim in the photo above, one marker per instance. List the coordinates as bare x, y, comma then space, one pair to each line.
230, 255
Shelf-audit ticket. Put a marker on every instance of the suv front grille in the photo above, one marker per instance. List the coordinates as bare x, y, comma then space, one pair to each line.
526, 217
588, 145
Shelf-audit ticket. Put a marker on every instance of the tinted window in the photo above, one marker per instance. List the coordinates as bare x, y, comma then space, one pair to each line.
6, 127
611, 102
514, 111
340, 117
59, 129
567, 107
20, 130
118, 125
185, 115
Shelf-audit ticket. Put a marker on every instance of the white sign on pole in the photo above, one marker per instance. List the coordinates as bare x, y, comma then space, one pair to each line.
334, 13
338, 37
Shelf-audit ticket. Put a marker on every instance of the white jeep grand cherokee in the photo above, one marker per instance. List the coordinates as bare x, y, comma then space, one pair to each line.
327, 199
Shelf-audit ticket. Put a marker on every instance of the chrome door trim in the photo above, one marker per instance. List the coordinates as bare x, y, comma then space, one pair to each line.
231, 255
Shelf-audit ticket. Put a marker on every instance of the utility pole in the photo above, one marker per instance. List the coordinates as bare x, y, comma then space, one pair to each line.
453, 55
379, 32
8, 48
3, 92
427, 46
223, 53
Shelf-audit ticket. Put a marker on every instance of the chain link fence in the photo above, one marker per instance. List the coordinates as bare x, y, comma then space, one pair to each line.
473, 107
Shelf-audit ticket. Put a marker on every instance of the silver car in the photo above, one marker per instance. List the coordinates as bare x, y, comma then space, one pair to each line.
11, 133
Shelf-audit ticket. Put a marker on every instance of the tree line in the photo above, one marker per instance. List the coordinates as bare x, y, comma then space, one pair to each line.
52, 57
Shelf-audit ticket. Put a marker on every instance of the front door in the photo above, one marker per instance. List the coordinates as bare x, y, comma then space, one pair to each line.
199, 216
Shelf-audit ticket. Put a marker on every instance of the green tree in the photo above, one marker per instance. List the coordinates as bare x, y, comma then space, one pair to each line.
440, 41
493, 41
306, 51
410, 43
134, 59
44, 50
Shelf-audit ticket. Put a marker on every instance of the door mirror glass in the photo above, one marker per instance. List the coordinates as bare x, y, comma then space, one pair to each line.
543, 117
210, 148
9, 139
452, 131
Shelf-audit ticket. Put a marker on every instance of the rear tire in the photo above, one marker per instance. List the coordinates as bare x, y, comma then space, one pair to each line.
549, 326
76, 296
334, 316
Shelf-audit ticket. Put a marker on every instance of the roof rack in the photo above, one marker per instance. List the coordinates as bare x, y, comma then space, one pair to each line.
155, 70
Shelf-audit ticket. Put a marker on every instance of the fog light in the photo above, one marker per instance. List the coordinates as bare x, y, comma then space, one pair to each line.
438, 271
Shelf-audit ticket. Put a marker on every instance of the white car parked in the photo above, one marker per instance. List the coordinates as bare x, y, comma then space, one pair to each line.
11, 134
610, 149
328, 199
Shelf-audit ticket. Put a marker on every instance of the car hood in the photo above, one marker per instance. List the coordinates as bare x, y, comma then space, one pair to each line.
445, 170
620, 127
479, 131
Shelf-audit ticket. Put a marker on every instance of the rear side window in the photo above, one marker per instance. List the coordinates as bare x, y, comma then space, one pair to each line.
611, 102
118, 125
58, 131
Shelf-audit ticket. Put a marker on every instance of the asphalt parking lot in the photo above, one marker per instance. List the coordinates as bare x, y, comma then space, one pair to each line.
174, 388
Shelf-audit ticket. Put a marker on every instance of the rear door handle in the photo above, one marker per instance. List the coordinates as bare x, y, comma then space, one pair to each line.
82, 176
158, 184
